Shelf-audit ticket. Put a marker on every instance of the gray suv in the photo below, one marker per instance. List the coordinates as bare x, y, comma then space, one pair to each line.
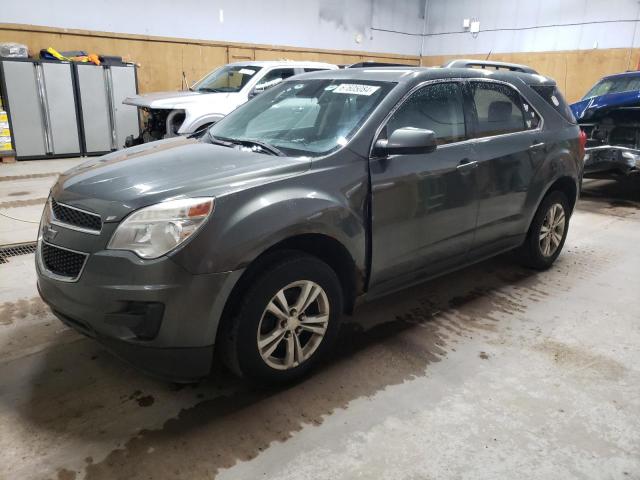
250, 241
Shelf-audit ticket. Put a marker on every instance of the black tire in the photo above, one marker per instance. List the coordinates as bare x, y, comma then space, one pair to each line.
531, 252
239, 349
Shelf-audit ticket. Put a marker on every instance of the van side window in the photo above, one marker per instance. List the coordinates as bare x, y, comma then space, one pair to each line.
437, 107
499, 109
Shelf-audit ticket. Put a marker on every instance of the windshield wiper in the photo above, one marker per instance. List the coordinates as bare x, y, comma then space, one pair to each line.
208, 90
261, 146
218, 141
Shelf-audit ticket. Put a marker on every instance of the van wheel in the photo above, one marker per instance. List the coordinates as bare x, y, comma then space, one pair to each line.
287, 321
547, 232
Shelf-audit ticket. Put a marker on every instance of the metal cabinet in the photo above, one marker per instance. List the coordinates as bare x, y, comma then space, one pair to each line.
64, 109
42, 110
105, 121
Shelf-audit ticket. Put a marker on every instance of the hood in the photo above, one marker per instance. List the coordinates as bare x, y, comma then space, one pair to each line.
596, 107
123, 181
171, 100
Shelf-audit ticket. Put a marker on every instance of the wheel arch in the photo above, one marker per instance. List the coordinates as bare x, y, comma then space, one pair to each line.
326, 248
566, 184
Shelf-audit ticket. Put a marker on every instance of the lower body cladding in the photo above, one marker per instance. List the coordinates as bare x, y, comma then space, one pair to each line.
607, 159
152, 313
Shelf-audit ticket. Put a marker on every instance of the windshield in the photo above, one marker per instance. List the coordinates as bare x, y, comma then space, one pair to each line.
304, 118
231, 78
614, 85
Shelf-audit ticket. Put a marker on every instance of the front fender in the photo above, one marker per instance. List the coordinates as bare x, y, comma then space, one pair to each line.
241, 228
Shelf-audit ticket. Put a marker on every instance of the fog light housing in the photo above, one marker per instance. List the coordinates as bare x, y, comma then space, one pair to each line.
143, 319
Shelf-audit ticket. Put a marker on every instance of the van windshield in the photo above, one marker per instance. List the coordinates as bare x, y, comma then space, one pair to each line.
305, 117
231, 78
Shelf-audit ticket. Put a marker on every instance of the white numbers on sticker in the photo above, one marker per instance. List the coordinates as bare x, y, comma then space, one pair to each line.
356, 89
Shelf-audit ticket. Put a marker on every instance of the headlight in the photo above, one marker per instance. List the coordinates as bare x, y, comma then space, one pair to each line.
153, 231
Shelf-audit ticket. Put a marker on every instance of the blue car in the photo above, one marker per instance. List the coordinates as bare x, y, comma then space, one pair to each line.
609, 114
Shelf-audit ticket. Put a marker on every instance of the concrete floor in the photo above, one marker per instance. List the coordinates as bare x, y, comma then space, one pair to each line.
24, 188
493, 372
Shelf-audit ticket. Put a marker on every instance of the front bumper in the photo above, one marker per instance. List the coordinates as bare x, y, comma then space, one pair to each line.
611, 159
153, 313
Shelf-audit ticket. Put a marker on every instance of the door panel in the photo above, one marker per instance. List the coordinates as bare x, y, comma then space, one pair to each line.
61, 102
125, 116
424, 207
506, 128
505, 169
95, 108
25, 108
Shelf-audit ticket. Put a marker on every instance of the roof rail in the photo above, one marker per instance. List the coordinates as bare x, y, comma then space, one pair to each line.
468, 63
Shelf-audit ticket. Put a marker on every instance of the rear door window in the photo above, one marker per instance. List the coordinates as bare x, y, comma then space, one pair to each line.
436, 107
499, 109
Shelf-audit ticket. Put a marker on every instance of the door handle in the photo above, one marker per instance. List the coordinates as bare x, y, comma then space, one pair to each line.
537, 146
466, 164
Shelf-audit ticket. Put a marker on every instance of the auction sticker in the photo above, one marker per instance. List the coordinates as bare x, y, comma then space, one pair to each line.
356, 89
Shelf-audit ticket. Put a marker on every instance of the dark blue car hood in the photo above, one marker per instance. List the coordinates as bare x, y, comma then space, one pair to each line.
592, 108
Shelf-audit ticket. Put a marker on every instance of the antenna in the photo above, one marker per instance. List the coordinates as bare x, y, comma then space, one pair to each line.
185, 82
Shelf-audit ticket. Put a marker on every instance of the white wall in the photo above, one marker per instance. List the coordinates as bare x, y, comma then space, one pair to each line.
391, 26
330, 24
529, 26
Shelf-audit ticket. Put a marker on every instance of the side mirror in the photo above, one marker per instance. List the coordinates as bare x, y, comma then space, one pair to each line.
407, 141
258, 89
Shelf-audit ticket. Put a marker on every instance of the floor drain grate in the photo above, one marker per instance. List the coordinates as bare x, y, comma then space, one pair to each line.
16, 250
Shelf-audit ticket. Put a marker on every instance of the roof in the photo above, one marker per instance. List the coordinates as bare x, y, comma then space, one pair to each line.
418, 74
634, 73
289, 63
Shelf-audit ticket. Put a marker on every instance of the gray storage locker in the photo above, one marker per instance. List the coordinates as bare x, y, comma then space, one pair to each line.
41, 105
62, 117
63, 109
95, 108
106, 122
25, 108
124, 84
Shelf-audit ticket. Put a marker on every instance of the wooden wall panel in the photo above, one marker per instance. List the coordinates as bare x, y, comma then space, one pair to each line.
162, 60
240, 54
574, 71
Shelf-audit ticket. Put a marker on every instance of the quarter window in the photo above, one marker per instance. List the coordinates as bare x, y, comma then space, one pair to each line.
499, 109
436, 107
531, 118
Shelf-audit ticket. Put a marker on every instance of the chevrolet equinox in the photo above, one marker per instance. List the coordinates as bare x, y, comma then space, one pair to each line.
251, 239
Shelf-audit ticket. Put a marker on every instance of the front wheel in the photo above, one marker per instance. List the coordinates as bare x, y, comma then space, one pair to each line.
287, 321
547, 233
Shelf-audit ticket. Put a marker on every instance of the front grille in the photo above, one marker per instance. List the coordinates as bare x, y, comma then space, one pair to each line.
75, 217
59, 261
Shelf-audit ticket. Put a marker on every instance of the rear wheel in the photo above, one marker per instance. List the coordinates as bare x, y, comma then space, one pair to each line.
547, 233
287, 321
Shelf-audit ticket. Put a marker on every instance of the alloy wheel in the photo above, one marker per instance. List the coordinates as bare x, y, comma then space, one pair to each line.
293, 325
552, 230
